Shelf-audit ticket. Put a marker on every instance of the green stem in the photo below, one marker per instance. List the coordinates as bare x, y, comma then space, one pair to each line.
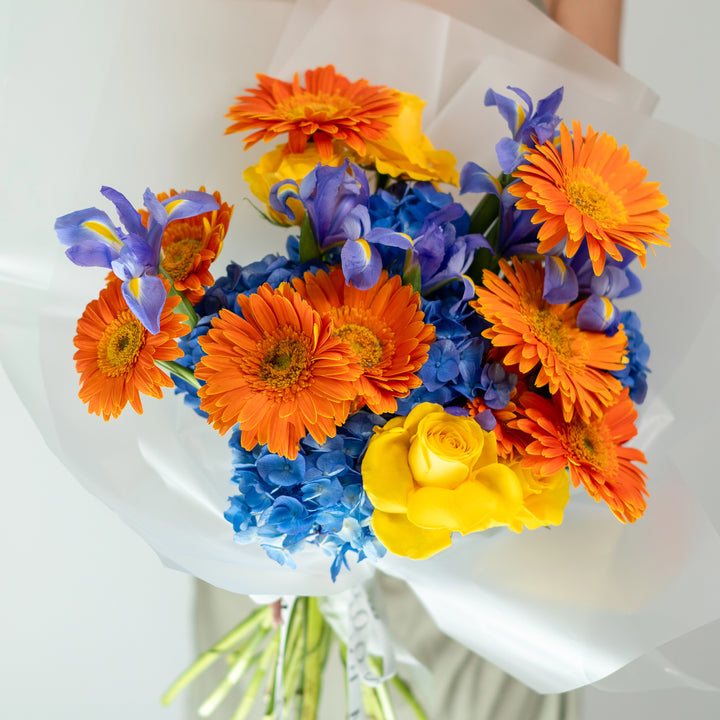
484, 213
216, 651
246, 659
407, 695
385, 702
185, 306
371, 703
266, 660
314, 661
292, 679
170, 366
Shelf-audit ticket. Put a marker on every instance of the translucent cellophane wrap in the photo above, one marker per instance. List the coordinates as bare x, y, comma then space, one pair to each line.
557, 608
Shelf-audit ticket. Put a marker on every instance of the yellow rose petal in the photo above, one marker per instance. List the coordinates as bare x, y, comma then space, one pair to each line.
386, 476
401, 537
546, 507
444, 449
493, 496
413, 419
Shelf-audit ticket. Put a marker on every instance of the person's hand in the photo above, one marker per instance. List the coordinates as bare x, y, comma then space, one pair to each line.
595, 22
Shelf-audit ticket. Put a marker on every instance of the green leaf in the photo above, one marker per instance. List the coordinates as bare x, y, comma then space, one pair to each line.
412, 277
170, 366
309, 248
484, 214
185, 307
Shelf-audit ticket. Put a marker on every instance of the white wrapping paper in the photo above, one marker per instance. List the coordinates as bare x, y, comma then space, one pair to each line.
557, 609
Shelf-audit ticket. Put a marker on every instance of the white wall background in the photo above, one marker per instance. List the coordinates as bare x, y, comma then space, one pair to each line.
91, 625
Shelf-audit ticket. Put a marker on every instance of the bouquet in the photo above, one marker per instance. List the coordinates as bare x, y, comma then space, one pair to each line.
476, 419
408, 370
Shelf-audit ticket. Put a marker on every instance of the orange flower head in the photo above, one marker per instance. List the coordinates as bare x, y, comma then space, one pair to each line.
190, 245
383, 327
589, 190
593, 450
278, 371
573, 362
328, 108
116, 354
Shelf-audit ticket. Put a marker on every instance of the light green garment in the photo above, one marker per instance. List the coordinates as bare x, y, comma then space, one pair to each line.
464, 687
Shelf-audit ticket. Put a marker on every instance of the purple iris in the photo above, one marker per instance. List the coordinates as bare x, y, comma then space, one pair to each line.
443, 252
336, 203
528, 128
328, 194
567, 279
361, 261
132, 251
516, 234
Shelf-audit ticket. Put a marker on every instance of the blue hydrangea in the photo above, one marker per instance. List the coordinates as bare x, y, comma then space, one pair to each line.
451, 375
404, 207
318, 498
634, 374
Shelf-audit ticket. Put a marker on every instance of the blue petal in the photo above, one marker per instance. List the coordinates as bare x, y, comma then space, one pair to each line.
188, 204
281, 471
597, 314
361, 264
287, 515
129, 216
549, 105
89, 253
91, 232
474, 178
509, 109
509, 154
357, 223
280, 193
157, 211
385, 236
561, 283
146, 296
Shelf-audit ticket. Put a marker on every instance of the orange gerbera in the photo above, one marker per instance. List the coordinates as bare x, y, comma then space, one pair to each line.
384, 328
278, 371
589, 190
572, 361
190, 245
116, 355
594, 451
328, 108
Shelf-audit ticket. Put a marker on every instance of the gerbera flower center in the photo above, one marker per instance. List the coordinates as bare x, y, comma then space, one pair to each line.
364, 343
317, 107
284, 362
591, 445
120, 345
178, 257
592, 197
549, 328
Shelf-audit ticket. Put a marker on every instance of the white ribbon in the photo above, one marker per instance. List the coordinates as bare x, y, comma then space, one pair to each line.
358, 619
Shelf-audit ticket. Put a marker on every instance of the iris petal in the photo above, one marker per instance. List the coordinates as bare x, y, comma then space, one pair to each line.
90, 236
145, 296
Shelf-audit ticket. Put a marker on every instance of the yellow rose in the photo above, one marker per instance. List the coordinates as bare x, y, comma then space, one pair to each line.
431, 474
544, 498
406, 152
280, 164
